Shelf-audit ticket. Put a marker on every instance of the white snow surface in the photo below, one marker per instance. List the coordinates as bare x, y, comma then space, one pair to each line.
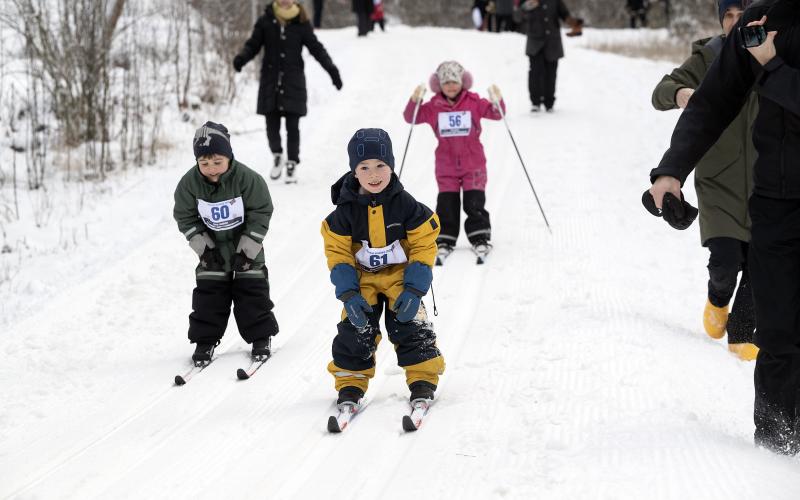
576, 362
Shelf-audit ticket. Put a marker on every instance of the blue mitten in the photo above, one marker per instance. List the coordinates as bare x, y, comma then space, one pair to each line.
345, 278
418, 277
406, 306
356, 307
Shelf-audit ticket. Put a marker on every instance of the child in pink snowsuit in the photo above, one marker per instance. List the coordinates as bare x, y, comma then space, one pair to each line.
454, 113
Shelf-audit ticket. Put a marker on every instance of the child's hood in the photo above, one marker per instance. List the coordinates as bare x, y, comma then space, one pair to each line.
345, 190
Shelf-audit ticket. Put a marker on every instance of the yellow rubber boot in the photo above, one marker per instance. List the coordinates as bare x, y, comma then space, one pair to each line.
714, 320
744, 351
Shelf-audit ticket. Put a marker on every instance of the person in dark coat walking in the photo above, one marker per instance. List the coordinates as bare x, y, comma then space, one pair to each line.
363, 10
544, 47
637, 9
772, 69
723, 182
503, 15
283, 30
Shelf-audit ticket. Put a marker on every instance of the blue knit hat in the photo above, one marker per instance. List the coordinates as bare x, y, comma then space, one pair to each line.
212, 138
724, 5
370, 144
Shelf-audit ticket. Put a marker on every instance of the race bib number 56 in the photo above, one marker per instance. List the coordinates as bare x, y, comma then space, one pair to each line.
222, 215
455, 123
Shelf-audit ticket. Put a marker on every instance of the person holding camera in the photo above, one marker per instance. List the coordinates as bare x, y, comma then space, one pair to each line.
723, 182
544, 48
762, 52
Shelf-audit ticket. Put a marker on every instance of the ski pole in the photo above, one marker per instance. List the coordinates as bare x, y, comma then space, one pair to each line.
410, 130
496, 103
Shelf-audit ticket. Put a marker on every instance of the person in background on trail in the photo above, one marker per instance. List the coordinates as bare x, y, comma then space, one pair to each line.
723, 181
377, 16
454, 113
479, 15
503, 15
544, 47
223, 209
380, 244
637, 9
363, 9
283, 30
772, 68
318, 6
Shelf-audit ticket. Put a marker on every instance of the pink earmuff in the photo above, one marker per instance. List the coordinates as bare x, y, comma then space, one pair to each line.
466, 82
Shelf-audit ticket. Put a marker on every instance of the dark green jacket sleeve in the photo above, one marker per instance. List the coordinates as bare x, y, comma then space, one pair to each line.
258, 207
687, 75
185, 210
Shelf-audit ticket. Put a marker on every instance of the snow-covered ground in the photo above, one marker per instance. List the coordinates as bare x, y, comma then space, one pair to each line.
576, 362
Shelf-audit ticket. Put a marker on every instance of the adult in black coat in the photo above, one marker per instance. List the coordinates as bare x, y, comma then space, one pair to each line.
363, 9
283, 30
637, 9
544, 48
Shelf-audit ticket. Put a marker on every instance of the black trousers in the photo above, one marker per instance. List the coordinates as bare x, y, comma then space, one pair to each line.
503, 23
364, 22
542, 80
774, 259
414, 341
729, 257
477, 225
292, 134
641, 16
211, 307
318, 5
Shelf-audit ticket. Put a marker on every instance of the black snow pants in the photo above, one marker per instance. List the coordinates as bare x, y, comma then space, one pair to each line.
292, 134
252, 308
542, 80
477, 225
729, 257
774, 259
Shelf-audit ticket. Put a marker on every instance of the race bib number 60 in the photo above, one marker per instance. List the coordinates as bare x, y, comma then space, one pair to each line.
455, 123
222, 215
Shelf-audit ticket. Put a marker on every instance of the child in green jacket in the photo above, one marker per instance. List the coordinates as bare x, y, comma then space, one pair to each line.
223, 209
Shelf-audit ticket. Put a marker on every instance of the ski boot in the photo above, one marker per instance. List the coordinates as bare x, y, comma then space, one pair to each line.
443, 252
481, 249
262, 348
277, 166
349, 395
203, 353
291, 172
421, 390
714, 320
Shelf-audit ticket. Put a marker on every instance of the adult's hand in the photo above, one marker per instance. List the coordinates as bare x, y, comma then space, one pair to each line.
336, 78
664, 184
765, 52
682, 97
238, 63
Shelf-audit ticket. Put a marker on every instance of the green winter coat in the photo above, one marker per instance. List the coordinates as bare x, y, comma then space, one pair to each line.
222, 204
723, 178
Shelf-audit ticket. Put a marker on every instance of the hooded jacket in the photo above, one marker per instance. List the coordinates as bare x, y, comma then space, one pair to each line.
456, 154
724, 176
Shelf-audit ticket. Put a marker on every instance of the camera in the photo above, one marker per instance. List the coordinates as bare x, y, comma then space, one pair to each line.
752, 36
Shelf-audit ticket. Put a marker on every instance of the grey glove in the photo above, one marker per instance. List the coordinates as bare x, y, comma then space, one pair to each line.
246, 252
199, 242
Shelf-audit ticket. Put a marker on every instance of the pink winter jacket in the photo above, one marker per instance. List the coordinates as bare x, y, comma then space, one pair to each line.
460, 150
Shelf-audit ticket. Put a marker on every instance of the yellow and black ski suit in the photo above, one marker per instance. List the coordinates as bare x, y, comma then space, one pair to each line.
381, 219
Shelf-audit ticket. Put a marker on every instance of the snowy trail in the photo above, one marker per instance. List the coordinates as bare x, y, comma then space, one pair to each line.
576, 362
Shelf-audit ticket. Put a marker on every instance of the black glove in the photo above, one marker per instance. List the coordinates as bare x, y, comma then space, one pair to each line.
336, 78
242, 262
238, 63
678, 213
211, 260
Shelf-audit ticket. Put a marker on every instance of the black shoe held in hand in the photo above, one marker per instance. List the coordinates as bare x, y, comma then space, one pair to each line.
678, 213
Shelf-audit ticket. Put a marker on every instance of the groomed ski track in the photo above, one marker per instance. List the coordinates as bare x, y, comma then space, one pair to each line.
576, 363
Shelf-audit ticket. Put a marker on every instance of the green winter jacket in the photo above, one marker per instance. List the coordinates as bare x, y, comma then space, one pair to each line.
723, 178
238, 204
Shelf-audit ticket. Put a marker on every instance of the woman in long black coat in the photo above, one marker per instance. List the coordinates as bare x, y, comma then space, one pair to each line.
283, 30
363, 9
